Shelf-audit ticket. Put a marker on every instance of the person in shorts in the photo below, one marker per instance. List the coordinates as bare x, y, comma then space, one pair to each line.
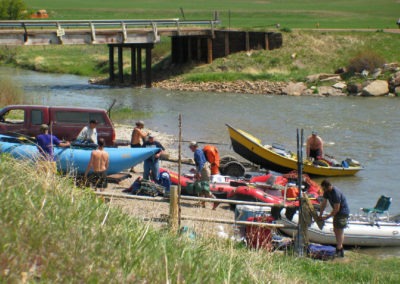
315, 146
340, 212
99, 162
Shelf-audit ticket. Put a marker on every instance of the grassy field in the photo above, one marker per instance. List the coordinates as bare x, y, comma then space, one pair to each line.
236, 13
303, 52
52, 232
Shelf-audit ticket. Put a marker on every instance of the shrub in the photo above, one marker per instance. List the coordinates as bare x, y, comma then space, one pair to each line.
286, 30
12, 10
366, 60
10, 93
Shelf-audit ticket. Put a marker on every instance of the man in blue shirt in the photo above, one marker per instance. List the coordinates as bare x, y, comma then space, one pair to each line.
152, 164
203, 173
340, 212
203, 167
45, 143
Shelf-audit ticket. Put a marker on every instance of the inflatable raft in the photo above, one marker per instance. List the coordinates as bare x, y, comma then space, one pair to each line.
75, 160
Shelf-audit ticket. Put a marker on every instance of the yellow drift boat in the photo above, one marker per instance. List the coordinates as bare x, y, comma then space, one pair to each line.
277, 159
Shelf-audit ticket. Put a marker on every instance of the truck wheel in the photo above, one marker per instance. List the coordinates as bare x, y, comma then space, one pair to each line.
234, 169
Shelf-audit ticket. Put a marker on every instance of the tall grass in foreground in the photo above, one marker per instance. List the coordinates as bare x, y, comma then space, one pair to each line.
10, 93
53, 232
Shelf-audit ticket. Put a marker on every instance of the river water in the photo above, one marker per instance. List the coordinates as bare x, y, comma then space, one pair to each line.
365, 129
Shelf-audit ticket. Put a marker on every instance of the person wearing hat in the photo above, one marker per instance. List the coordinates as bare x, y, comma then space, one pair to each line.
151, 165
315, 146
45, 143
202, 173
137, 137
88, 133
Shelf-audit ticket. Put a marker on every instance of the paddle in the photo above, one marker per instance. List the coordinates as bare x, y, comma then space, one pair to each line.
110, 107
204, 142
314, 214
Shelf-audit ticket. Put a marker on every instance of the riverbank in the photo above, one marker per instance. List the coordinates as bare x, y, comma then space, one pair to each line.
53, 232
289, 70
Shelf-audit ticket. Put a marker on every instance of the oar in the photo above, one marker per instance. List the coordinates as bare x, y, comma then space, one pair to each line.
110, 107
314, 214
204, 142
31, 140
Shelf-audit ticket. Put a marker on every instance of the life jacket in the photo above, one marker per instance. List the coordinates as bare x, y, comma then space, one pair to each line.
212, 156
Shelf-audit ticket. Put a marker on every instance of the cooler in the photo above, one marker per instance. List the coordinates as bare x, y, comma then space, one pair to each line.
244, 212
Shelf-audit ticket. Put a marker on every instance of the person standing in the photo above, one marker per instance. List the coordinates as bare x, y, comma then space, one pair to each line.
137, 137
99, 162
45, 143
315, 146
212, 156
202, 172
88, 133
152, 165
340, 212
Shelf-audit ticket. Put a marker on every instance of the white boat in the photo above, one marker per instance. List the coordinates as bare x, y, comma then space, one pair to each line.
360, 231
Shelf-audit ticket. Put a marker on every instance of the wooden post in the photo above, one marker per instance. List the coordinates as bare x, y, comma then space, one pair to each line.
209, 51
226, 43
173, 209
189, 49
247, 37
133, 65
139, 66
111, 63
120, 64
148, 66
179, 168
266, 41
198, 47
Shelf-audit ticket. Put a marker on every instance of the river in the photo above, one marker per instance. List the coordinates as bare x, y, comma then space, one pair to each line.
365, 129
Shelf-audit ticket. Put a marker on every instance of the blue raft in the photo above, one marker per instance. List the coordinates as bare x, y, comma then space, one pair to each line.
75, 160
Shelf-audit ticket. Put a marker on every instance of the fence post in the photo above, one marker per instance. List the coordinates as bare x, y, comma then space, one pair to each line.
173, 209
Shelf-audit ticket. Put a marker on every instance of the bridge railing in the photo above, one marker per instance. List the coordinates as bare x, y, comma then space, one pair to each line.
55, 30
105, 23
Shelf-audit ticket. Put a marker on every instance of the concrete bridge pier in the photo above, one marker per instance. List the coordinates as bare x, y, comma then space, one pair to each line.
136, 77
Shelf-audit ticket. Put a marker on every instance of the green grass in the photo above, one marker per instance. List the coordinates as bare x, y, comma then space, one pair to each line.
303, 53
238, 13
54, 232
126, 114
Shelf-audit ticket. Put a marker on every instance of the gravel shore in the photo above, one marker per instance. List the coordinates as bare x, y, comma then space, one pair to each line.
148, 209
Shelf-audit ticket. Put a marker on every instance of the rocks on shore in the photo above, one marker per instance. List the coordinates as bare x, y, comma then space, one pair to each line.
323, 84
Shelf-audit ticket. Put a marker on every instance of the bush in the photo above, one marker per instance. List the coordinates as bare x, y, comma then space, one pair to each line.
13, 10
10, 93
366, 60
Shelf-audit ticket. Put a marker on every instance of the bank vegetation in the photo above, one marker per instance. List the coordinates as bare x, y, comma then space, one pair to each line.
303, 53
54, 232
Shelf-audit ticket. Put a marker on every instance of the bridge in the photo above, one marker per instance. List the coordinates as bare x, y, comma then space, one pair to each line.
191, 40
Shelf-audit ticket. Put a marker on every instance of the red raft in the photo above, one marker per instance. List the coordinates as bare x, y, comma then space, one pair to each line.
268, 188
219, 189
272, 189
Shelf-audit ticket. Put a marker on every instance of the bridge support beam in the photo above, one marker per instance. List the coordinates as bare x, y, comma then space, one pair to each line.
136, 77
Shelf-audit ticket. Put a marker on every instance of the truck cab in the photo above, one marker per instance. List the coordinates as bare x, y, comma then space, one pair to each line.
64, 122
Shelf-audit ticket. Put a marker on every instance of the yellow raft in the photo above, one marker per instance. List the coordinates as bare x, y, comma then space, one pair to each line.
268, 157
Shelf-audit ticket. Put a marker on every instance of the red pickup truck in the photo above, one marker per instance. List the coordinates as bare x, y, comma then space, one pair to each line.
66, 122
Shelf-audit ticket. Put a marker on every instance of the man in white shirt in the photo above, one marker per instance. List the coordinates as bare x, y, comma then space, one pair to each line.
89, 133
